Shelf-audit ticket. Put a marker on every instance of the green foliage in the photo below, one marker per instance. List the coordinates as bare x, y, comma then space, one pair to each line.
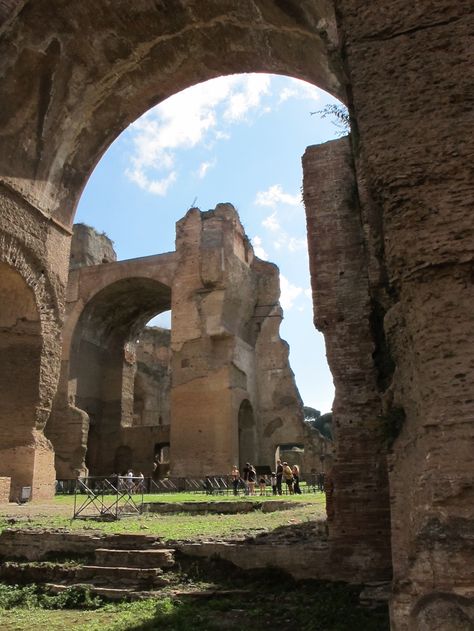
184, 525
310, 414
339, 115
33, 596
268, 602
323, 423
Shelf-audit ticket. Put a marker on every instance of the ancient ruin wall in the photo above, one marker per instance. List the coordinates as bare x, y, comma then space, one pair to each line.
410, 72
152, 377
358, 509
89, 247
228, 355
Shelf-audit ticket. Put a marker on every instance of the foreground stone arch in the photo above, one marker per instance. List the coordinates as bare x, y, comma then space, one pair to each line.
83, 91
73, 75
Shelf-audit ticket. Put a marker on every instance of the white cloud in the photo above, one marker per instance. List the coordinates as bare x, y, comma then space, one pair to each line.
275, 195
308, 293
204, 168
288, 294
156, 187
258, 248
299, 89
249, 97
187, 119
287, 93
295, 244
271, 223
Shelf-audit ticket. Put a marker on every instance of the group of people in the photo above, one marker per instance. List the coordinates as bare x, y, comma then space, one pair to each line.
248, 480
134, 483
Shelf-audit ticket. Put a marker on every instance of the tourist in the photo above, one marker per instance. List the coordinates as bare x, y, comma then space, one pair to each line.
296, 479
246, 474
252, 480
262, 483
235, 473
273, 482
130, 481
279, 476
288, 475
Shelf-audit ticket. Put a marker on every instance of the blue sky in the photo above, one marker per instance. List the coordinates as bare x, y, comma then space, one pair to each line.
236, 139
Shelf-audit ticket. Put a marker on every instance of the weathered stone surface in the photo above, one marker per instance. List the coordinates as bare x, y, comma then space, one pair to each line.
134, 558
116, 407
71, 84
343, 312
88, 247
37, 545
5, 484
216, 507
233, 397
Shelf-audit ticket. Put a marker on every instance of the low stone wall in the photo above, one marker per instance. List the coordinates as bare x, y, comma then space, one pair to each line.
5, 485
216, 507
311, 561
37, 545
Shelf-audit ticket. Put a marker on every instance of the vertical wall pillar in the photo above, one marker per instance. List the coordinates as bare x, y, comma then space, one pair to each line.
410, 72
359, 518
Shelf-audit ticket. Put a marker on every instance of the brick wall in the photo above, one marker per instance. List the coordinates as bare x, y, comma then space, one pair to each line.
5, 484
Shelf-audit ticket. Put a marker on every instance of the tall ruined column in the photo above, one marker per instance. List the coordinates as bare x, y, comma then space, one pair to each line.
358, 514
33, 262
410, 69
210, 363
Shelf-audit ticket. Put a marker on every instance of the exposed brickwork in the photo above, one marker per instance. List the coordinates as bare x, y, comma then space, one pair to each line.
5, 484
69, 86
410, 69
359, 498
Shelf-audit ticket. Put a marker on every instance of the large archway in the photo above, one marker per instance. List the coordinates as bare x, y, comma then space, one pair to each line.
96, 399
409, 74
20, 351
146, 59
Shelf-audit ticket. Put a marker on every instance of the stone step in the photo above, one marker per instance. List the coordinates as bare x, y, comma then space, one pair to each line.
108, 593
113, 575
151, 558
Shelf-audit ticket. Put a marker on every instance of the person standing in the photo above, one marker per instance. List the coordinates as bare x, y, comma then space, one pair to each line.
296, 479
246, 474
252, 480
288, 475
273, 481
235, 479
279, 476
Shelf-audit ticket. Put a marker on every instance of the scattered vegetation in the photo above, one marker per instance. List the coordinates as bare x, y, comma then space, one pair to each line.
321, 422
339, 115
263, 601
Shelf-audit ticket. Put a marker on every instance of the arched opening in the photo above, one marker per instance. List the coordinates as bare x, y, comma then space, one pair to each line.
161, 467
248, 439
298, 40
100, 381
20, 353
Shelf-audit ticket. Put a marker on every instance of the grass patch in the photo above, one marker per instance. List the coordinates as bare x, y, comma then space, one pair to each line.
282, 604
181, 526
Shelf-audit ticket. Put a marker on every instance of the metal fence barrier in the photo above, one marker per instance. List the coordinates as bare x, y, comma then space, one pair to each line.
114, 496
108, 497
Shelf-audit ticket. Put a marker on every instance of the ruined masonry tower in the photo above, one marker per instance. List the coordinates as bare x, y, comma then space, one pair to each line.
216, 390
